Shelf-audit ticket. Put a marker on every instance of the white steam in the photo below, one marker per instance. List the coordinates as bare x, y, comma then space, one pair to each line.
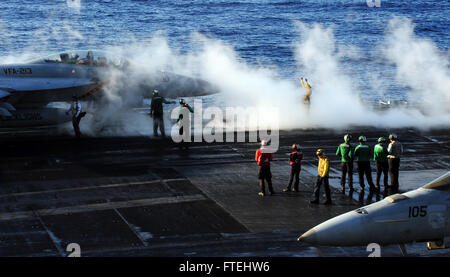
335, 102
421, 66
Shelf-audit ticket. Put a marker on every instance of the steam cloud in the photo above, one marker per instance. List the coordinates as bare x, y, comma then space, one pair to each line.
336, 100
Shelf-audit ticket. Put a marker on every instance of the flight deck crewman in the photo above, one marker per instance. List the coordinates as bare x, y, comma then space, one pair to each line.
323, 170
363, 153
77, 114
380, 156
183, 107
263, 157
395, 150
295, 160
156, 111
307, 87
345, 151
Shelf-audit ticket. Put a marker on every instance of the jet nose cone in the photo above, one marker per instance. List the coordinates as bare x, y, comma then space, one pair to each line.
344, 230
308, 237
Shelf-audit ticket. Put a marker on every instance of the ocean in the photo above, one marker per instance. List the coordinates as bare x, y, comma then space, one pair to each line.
348, 35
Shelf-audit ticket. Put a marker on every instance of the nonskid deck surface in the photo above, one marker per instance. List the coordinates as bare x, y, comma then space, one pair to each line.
139, 196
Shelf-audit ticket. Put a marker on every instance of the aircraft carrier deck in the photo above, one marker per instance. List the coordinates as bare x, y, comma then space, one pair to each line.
139, 196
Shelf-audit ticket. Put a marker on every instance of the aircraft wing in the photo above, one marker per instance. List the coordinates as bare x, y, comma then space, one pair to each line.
40, 84
38, 92
5, 107
174, 85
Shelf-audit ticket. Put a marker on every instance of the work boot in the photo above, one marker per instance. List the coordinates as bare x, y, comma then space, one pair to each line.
328, 202
315, 201
361, 197
261, 194
295, 190
287, 189
343, 189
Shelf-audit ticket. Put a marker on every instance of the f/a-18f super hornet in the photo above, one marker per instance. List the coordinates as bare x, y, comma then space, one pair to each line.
26, 89
421, 215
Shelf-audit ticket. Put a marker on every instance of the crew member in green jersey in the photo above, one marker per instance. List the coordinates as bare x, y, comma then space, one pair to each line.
380, 154
362, 154
345, 151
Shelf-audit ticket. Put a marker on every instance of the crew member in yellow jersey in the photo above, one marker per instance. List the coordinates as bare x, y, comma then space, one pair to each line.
307, 87
323, 170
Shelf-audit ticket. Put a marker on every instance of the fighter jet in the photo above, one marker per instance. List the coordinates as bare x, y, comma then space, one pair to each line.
26, 89
421, 215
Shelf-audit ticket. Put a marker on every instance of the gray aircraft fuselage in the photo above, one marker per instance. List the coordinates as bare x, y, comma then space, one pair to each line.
421, 215
30, 87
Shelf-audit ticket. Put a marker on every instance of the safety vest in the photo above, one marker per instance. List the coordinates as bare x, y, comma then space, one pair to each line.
363, 153
295, 158
380, 153
263, 158
306, 86
324, 166
344, 150
395, 149
75, 108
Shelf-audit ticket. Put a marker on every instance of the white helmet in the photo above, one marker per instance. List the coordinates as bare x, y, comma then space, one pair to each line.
347, 137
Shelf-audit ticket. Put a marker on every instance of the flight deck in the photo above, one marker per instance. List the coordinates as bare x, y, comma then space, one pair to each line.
143, 196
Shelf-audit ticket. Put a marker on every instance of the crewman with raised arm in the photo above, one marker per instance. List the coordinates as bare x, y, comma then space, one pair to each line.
156, 111
307, 87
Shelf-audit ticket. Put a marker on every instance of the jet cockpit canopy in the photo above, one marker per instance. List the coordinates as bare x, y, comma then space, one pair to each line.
441, 183
83, 57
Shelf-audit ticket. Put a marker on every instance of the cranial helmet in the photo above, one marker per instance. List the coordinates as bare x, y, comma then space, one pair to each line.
347, 137
393, 136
